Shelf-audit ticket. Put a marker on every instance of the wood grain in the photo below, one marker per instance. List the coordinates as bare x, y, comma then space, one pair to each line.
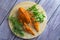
52, 31
5, 7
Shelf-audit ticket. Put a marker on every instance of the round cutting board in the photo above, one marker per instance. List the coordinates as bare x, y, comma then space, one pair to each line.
26, 5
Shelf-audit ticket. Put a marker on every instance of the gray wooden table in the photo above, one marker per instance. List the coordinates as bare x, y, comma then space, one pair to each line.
52, 31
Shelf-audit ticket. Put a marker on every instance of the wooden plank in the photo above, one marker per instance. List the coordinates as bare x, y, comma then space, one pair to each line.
50, 8
5, 32
54, 26
5, 6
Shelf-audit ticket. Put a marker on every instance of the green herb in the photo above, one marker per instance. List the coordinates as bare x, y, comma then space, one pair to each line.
17, 27
31, 8
39, 16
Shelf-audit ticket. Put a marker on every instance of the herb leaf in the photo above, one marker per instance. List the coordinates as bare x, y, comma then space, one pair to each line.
17, 27
39, 16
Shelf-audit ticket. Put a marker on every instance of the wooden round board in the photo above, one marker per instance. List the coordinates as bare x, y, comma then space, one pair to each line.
26, 5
